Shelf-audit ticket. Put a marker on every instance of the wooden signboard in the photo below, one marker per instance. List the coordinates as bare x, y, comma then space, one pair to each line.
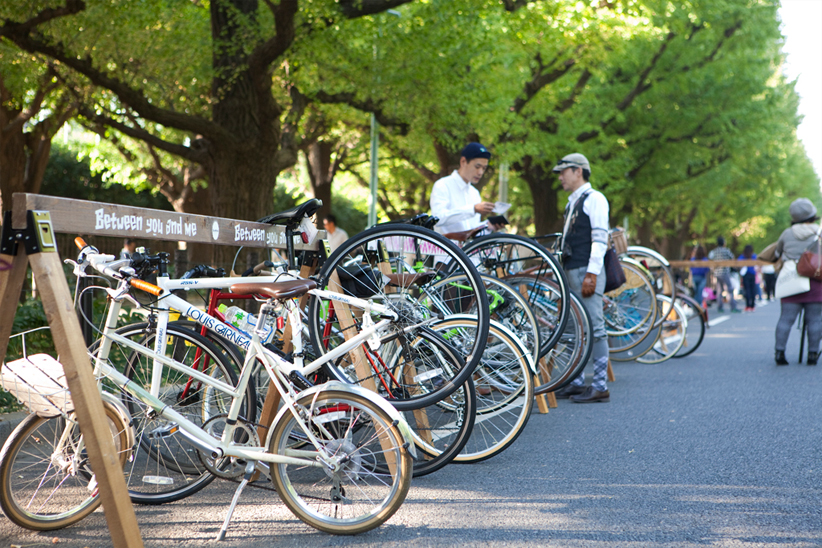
100, 219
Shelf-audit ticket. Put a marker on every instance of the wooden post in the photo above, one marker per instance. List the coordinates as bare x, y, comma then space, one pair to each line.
346, 320
68, 340
409, 371
272, 396
611, 377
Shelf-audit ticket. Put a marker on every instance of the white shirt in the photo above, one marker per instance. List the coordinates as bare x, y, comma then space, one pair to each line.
337, 238
597, 209
453, 201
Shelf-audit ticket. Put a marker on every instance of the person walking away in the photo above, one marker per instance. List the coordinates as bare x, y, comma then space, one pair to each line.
723, 274
790, 245
769, 277
699, 275
584, 242
454, 200
129, 247
336, 235
748, 274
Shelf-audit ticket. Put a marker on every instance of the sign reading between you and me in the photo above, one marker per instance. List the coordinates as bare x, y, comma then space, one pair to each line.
83, 217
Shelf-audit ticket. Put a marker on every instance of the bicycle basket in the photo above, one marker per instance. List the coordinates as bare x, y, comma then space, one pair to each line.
38, 382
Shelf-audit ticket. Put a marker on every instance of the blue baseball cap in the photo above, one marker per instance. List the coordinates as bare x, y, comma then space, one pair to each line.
475, 150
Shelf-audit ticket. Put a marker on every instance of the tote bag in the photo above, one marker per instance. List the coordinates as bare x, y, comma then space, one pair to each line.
790, 282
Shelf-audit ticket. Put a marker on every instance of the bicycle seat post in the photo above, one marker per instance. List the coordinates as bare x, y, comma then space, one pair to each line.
289, 247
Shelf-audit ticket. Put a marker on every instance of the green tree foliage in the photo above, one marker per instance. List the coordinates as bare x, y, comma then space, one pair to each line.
216, 73
33, 107
681, 107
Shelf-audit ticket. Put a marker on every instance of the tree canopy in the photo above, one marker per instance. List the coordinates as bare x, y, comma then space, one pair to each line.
680, 106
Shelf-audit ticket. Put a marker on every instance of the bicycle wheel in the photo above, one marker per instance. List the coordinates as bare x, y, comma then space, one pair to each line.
567, 359
165, 466
672, 334
507, 305
657, 265
504, 381
630, 311
441, 430
394, 264
697, 324
372, 480
46, 482
505, 255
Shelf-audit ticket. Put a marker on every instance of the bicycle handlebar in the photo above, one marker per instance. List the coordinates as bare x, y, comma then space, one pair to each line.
146, 286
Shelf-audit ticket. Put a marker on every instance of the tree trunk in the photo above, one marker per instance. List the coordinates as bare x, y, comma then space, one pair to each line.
321, 173
241, 187
12, 166
544, 194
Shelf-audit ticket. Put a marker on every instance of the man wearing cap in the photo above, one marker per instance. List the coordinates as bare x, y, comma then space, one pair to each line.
584, 242
454, 200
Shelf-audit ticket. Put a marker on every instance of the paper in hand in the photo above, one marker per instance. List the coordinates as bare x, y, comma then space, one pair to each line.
501, 207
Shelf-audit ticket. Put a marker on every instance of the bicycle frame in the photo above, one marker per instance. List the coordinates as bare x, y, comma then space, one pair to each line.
276, 367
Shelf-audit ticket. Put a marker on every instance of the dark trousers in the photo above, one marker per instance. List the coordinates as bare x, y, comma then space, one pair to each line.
770, 285
749, 287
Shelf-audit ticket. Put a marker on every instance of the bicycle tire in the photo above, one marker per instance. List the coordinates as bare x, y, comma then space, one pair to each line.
568, 358
441, 430
504, 381
697, 325
503, 255
630, 310
651, 334
44, 484
378, 488
165, 467
508, 307
359, 268
671, 337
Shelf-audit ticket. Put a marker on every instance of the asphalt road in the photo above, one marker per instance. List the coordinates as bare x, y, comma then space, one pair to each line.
721, 448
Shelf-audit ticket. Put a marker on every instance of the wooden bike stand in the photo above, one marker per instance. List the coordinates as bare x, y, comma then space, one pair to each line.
611, 377
28, 239
549, 400
272, 397
347, 326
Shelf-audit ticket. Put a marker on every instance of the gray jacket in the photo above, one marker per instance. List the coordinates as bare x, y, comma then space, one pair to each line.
795, 240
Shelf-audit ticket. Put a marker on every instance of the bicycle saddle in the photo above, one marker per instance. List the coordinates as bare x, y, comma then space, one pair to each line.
292, 217
464, 235
275, 290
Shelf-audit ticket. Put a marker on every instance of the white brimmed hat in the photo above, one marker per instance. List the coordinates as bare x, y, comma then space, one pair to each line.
572, 160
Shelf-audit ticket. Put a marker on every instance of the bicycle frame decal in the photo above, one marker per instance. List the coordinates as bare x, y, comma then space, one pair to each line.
222, 329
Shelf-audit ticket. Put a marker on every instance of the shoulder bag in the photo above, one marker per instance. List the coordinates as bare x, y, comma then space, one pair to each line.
810, 263
614, 275
790, 282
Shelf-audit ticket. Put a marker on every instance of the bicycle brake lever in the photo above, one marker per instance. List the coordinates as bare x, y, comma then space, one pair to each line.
122, 293
79, 269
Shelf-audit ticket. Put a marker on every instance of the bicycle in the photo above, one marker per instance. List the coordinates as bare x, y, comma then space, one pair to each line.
324, 439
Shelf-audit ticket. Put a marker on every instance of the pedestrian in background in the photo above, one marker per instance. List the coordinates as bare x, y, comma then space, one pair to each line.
336, 235
748, 274
699, 275
769, 277
790, 245
722, 274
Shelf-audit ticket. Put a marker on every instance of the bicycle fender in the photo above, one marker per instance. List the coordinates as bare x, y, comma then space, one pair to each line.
121, 409
376, 399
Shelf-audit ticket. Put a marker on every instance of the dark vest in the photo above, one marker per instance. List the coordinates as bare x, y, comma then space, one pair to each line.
578, 239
